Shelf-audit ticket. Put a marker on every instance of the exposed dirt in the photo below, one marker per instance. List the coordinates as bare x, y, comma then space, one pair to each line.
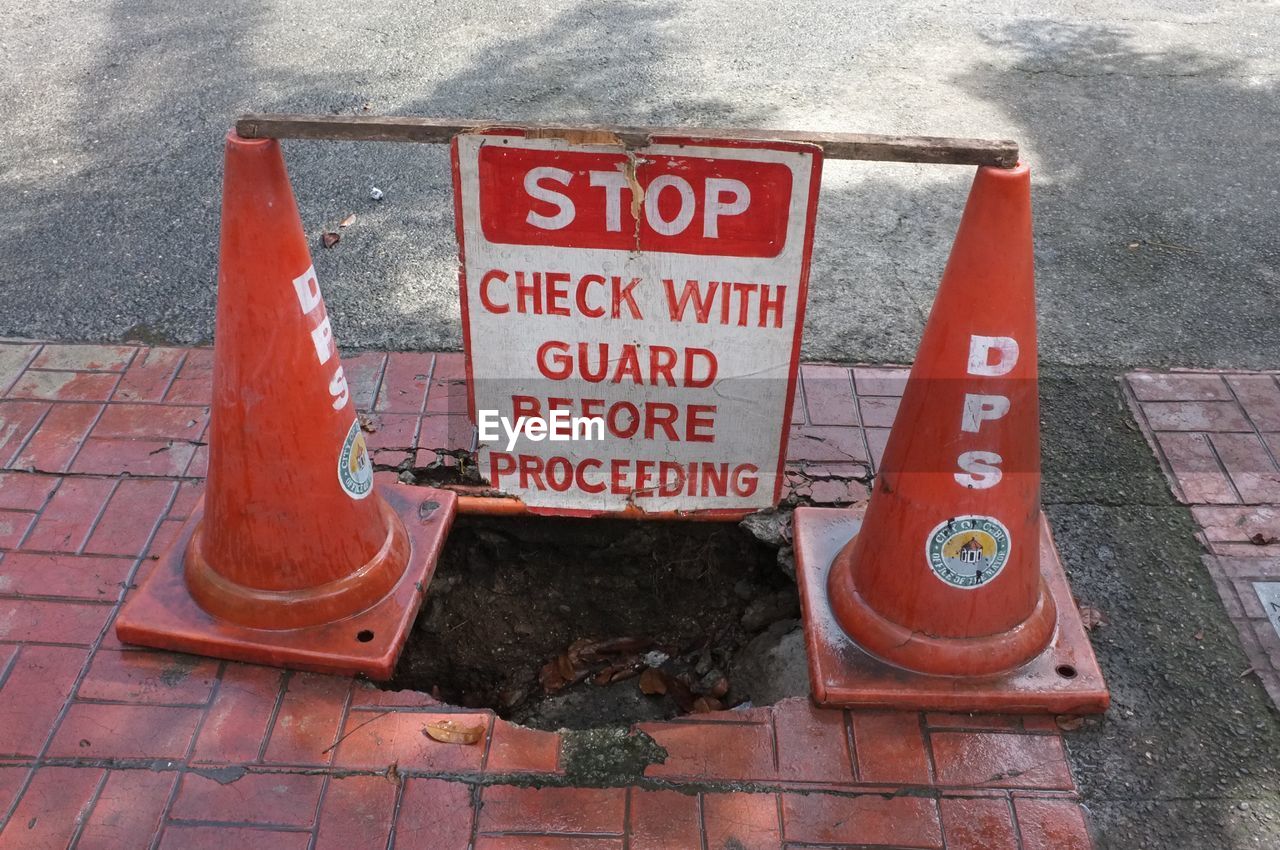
560, 623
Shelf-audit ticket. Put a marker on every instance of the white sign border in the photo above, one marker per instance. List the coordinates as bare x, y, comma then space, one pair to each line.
668, 145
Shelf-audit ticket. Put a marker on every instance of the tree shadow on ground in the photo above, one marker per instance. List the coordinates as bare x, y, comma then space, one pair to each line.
1156, 220
1153, 234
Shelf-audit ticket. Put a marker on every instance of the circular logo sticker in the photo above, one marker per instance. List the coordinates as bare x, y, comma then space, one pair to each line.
968, 551
355, 472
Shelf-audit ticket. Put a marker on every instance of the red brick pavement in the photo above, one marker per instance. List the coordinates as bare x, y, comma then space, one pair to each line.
103, 745
1217, 436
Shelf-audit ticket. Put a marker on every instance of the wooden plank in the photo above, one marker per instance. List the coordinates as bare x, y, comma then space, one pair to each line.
368, 128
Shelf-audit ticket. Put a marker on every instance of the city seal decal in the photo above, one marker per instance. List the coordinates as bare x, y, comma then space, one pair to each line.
968, 551
355, 471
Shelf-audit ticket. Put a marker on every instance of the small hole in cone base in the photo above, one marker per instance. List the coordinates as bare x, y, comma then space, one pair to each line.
364, 635
1066, 671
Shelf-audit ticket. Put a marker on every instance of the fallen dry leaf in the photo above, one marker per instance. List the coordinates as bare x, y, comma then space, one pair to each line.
562, 671
604, 661
702, 705
330, 239
1263, 539
624, 645
652, 682
624, 671
1199, 635
1067, 723
368, 423
720, 688
577, 650
453, 732
549, 677
393, 773
620, 671
1091, 617
600, 650
348, 221
564, 666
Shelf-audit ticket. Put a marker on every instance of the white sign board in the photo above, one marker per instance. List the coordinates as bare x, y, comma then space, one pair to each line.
654, 295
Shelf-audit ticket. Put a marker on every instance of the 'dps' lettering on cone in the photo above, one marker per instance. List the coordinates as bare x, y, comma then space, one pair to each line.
295, 557
948, 593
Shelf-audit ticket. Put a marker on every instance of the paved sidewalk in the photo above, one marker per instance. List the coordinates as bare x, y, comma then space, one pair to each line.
103, 745
1217, 437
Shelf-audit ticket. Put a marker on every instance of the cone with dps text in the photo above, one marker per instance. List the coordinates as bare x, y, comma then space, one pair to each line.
295, 556
945, 576
948, 593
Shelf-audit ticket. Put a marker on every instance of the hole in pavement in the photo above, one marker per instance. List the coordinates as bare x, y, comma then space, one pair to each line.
1066, 671
364, 635
580, 623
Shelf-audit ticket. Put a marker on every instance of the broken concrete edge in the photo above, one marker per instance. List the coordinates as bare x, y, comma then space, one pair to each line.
476, 497
609, 756
771, 525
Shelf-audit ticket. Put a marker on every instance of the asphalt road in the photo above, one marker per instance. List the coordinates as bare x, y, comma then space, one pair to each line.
1153, 137
1152, 129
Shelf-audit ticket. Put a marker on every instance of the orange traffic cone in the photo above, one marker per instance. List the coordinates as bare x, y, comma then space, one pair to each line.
948, 594
295, 557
